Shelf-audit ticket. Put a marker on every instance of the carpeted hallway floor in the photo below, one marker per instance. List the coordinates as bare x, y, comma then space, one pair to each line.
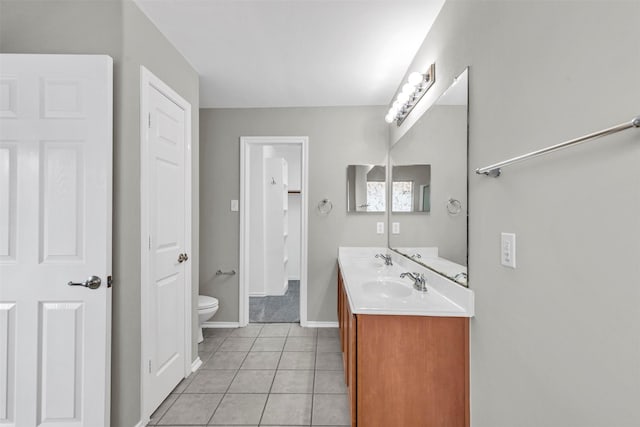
277, 309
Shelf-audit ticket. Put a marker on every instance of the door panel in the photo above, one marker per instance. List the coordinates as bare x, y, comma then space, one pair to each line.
60, 373
7, 361
8, 168
62, 201
55, 227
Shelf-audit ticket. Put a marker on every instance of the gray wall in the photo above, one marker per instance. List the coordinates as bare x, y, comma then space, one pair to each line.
338, 136
145, 45
119, 29
554, 343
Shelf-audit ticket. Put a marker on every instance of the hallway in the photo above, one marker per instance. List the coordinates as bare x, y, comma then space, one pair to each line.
262, 375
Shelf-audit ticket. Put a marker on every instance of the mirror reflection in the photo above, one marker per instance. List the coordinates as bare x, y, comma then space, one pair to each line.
410, 188
366, 188
428, 218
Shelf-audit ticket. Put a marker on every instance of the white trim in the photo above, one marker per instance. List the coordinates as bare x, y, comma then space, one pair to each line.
147, 79
196, 364
245, 141
257, 294
221, 325
312, 324
142, 423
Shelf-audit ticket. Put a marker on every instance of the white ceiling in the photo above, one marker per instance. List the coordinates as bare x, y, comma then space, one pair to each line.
293, 53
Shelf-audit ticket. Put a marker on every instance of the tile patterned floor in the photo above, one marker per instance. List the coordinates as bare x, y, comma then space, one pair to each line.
262, 375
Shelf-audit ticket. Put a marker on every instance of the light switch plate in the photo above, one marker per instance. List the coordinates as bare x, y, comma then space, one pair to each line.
234, 206
508, 250
395, 228
380, 227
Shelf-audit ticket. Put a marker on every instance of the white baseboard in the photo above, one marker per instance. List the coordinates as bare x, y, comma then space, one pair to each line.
221, 325
195, 365
257, 294
311, 324
142, 423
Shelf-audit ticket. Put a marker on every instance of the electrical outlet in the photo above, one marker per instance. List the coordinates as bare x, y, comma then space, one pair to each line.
395, 228
380, 227
508, 249
234, 206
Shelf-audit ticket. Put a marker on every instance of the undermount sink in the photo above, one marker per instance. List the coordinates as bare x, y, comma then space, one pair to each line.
387, 288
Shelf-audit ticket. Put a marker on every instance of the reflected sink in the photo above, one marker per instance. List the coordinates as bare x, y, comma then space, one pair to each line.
387, 288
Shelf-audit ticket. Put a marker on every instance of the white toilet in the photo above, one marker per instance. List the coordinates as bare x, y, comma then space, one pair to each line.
207, 307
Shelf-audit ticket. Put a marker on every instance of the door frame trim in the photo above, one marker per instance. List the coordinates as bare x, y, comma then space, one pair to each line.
147, 80
245, 143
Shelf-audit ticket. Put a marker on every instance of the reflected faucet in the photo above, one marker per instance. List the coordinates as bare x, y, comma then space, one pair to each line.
386, 258
416, 256
419, 282
461, 275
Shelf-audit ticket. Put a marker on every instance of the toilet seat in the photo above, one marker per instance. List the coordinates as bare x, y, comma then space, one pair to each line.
205, 301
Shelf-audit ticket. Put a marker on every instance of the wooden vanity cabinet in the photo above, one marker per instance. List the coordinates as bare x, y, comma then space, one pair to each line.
404, 371
347, 321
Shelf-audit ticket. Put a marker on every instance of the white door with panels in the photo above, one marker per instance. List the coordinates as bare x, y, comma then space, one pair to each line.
167, 294
55, 239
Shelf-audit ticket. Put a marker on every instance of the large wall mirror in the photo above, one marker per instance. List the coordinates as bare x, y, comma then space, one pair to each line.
428, 191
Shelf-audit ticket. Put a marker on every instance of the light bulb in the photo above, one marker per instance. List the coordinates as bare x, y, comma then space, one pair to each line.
403, 97
396, 105
408, 88
415, 78
389, 118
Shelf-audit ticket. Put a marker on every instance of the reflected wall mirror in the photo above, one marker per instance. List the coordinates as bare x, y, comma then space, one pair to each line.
428, 190
366, 188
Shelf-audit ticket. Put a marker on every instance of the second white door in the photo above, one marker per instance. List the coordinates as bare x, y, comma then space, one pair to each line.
166, 287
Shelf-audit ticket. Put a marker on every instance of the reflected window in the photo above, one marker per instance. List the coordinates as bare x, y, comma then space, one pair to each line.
375, 196
410, 191
402, 196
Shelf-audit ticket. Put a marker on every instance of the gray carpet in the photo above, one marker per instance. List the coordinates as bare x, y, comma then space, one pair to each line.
277, 309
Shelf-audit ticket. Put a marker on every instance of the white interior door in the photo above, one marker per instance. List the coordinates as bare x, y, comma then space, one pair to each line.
167, 287
55, 228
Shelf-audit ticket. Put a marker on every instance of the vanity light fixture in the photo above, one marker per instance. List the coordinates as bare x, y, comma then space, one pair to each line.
417, 85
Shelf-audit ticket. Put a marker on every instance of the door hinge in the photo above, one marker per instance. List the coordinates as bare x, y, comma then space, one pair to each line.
109, 281
149, 366
149, 120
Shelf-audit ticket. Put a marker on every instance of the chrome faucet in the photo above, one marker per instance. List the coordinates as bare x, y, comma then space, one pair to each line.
386, 258
419, 282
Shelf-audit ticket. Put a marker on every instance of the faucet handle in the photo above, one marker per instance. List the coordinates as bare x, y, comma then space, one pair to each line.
387, 258
419, 282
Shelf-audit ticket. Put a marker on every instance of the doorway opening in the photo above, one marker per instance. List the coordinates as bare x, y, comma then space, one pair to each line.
273, 230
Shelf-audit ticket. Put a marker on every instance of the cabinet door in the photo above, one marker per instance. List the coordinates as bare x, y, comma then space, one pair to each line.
412, 371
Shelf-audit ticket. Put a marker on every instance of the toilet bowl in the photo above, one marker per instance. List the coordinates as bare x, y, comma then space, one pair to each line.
207, 307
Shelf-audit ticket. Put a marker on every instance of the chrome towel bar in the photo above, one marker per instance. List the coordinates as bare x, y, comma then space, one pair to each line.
495, 169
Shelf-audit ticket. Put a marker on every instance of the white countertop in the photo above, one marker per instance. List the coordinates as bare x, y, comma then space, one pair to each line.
359, 266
